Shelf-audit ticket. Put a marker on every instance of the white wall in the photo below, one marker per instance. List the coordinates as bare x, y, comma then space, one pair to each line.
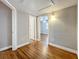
23, 27
63, 28
5, 26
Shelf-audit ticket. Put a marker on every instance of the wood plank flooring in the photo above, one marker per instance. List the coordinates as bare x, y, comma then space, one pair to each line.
36, 50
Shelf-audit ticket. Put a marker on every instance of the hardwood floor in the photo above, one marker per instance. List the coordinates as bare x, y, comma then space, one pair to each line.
36, 50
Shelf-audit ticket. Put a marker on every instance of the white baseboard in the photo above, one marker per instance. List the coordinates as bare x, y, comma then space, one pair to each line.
64, 48
5, 48
22, 44
38, 39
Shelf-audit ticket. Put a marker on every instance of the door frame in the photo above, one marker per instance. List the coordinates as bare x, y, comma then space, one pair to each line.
34, 29
14, 23
39, 28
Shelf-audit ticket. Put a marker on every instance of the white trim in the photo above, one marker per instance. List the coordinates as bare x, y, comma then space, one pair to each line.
34, 27
64, 48
78, 28
38, 28
14, 24
23, 44
5, 48
8, 4
14, 30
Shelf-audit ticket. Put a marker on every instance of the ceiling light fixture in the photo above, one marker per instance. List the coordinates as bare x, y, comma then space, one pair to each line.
51, 3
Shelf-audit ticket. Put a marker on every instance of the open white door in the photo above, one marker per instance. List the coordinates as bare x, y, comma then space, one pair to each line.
32, 27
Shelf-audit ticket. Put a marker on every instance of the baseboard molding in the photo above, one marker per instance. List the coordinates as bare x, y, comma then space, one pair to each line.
38, 39
5, 48
23, 44
64, 48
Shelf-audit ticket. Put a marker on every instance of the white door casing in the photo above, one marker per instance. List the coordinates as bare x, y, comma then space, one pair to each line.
32, 27
38, 28
14, 24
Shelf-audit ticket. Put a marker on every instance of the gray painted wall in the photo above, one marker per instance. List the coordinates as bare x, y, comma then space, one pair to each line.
63, 28
5, 26
23, 27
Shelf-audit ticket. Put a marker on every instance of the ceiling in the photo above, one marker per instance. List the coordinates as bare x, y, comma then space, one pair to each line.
33, 6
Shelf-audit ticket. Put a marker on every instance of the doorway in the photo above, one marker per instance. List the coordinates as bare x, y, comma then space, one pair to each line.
44, 29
